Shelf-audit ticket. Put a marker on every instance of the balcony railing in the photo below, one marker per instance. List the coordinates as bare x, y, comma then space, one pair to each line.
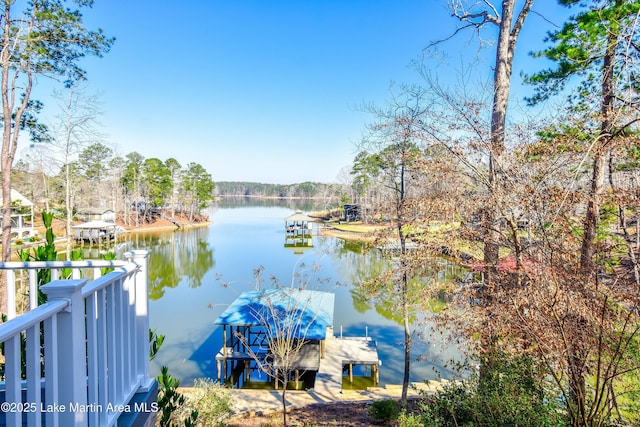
80, 358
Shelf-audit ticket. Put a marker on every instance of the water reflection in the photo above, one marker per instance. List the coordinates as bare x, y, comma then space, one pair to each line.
188, 268
180, 255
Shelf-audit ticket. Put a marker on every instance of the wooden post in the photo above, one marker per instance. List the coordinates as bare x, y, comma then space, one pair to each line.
377, 371
224, 341
350, 373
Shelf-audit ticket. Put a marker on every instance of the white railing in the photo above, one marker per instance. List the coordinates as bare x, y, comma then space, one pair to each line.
88, 345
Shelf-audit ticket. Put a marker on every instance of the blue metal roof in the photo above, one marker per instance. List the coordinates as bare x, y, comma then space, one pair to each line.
299, 312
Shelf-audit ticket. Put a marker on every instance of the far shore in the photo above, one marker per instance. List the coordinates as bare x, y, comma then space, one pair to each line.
465, 251
359, 233
59, 227
164, 227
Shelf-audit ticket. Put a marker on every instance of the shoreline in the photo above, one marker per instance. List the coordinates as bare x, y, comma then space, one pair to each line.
60, 240
260, 402
350, 236
164, 227
368, 234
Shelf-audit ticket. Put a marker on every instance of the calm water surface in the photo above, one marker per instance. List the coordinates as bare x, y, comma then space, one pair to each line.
195, 274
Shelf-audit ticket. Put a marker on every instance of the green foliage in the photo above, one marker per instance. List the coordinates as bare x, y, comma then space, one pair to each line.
199, 185
92, 161
38, 132
384, 410
155, 342
451, 406
52, 44
508, 393
170, 401
132, 175
211, 401
59, 40
409, 420
579, 48
109, 256
46, 252
158, 182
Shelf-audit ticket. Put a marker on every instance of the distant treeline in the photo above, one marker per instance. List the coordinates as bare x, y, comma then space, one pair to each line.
303, 190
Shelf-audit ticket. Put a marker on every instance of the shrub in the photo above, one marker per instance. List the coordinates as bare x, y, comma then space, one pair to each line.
450, 406
384, 410
170, 401
409, 420
211, 401
510, 392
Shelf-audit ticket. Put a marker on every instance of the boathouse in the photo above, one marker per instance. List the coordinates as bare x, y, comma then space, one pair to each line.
250, 323
95, 231
298, 232
351, 213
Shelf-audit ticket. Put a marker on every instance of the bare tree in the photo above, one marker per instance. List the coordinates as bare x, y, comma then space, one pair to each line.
287, 316
412, 170
74, 131
42, 165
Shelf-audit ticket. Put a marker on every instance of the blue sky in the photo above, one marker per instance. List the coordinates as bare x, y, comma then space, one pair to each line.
265, 90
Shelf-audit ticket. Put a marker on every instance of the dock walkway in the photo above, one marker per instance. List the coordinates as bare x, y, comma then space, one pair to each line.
340, 352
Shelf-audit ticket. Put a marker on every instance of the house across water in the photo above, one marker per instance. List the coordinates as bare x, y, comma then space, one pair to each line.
21, 216
258, 321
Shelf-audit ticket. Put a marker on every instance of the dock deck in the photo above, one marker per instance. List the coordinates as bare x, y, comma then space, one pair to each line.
338, 353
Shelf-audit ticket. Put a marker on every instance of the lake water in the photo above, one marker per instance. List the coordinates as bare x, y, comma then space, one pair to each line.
195, 274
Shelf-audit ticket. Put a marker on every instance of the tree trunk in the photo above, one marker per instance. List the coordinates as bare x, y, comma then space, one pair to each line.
592, 215
284, 402
67, 198
407, 342
577, 387
5, 161
598, 177
10, 134
587, 251
505, 50
400, 212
